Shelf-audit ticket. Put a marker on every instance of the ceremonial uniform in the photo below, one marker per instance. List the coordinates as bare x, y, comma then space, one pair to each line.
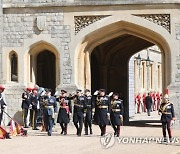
35, 104
79, 110
102, 109
50, 107
89, 111
167, 110
26, 101
2, 103
148, 101
64, 113
116, 115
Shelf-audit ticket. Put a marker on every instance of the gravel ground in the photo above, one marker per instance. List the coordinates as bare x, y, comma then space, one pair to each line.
38, 142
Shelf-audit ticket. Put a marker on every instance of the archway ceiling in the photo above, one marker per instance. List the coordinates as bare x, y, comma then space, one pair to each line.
122, 47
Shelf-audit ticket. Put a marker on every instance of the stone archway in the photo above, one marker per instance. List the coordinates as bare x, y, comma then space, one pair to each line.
44, 65
90, 56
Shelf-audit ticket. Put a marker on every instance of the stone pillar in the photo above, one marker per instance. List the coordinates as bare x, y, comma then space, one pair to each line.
1, 27
87, 71
174, 94
131, 88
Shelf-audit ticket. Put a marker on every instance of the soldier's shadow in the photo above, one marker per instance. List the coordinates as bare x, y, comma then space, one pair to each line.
144, 123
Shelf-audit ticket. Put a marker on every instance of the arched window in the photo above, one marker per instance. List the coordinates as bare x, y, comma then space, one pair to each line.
14, 67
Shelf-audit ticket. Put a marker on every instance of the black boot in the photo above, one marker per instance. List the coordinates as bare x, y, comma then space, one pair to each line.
65, 129
118, 131
62, 127
86, 130
91, 131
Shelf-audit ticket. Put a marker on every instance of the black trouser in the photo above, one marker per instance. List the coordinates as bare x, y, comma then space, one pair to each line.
103, 129
116, 130
1, 116
31, 118
34, 118
79, 127
25, 114
64, 128
148, 111
88, 123
166, 125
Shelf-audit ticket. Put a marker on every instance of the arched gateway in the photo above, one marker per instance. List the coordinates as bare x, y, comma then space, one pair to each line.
105, 55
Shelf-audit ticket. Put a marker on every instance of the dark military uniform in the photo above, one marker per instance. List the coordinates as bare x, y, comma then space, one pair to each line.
63, 115
79, 110
50, 107
116, 115
102, 108
167, 111
148, 102
88, 118
2, 104
26, 101
34, 103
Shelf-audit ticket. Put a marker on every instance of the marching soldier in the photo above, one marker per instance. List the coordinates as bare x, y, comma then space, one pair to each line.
116, 114
50, 107
35, 107
89, 112
148, 101
167, 117
102, 110
65, 111
79, 111
26, 101
2, 103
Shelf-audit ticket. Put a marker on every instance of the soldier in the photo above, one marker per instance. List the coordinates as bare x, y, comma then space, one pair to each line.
79, 111
167, 117
65, 111
89, 112
102, 110
50, 107
2, 103
148, 101
116, 114
35, 108
26, 101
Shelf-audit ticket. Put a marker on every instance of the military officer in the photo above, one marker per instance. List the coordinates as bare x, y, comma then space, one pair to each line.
167, 117
2, 103
50, 107
65, 111
116, 114
79, 111
102, 110
26, 101
89, 112
35, 108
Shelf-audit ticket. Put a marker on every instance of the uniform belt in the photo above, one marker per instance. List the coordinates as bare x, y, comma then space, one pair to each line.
116, 110
64, 107
166, 112
88, 105
103, 107
78, 105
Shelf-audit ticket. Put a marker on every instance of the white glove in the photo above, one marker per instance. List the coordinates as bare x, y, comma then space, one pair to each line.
121, 116
110, 94
96, 92
84, 114
92, 114
56, 93
108, 116
172, 122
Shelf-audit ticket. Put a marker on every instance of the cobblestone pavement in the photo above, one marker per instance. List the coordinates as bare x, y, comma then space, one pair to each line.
38, 142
